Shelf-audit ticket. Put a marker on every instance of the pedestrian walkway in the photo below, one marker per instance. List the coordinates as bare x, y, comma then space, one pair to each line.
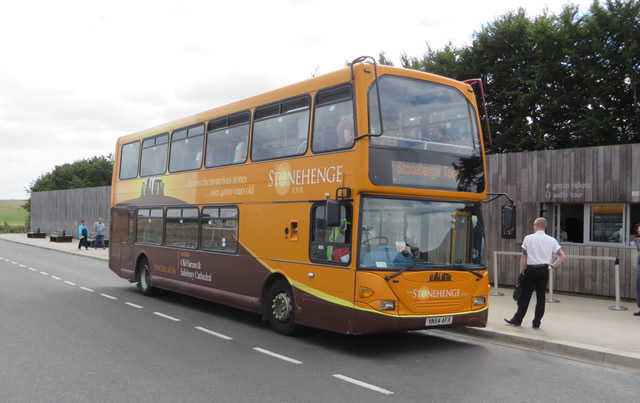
577, 327
65, 247
581, 328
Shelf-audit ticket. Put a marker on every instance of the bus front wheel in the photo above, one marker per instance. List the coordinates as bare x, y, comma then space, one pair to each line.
280, 308
144, 278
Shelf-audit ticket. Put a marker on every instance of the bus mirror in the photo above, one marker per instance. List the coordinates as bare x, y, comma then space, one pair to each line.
332, 213
508, 221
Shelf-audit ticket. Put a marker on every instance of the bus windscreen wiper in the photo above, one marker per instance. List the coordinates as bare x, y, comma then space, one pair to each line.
399, 272
434, 266
462, 268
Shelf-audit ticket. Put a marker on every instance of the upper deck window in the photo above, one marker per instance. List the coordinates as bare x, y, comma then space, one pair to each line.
186, 149
423, 115
129, 158
281, 130
227, 140
154, 155
333, 127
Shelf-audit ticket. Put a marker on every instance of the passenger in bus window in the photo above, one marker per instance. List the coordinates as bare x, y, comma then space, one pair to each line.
241, 152
345, 132
439, 135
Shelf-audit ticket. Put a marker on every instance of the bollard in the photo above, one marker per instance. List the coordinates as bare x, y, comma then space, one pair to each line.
617, 306
495, 291
551, 299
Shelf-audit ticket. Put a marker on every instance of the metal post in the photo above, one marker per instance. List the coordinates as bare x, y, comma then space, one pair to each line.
495, 291
551, 299
617, 306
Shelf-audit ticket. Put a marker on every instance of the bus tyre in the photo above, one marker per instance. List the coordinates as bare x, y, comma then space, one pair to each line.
279, 308
144, 278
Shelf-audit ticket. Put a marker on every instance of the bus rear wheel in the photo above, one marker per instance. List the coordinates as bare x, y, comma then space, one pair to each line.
279, 308
144, 278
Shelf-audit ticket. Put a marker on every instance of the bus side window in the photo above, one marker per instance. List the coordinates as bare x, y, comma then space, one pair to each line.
330, 244
333, 126
154, 155
130, 156
280, 130
186, 149
220, 229
227, 140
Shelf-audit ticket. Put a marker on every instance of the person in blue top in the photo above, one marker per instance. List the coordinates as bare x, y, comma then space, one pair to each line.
83, 235
98, 229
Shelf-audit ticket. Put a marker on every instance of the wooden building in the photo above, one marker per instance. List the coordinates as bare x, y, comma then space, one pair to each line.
59, 210
591, 198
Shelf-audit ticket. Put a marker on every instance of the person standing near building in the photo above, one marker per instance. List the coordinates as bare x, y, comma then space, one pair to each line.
83, 235
637, 241
537, 249
98, 229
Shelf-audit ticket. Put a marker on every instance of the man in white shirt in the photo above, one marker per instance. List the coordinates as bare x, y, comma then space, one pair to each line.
535, 263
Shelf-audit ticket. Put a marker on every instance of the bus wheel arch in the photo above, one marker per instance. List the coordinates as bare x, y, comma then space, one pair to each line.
143, 276
278, 306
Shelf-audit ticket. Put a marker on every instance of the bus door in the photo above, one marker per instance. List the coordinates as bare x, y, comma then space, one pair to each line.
126, 243
331, 250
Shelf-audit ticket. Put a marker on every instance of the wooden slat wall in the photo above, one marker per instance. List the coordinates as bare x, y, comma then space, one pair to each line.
612, 172
63, 209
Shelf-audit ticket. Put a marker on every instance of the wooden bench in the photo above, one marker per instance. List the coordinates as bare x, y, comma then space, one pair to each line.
92, 243
60, 237
36, 234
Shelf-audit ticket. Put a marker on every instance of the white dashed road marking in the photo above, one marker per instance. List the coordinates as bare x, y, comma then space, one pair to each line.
108, 296
133, 305
56, 278
44, 273
167, 316
272, 354
86, 289
69, 282
211, 332
363, 384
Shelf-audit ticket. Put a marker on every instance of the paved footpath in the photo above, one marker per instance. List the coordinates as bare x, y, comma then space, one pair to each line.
581, 328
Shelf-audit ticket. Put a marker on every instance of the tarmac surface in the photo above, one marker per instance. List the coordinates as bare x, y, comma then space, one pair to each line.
576, 327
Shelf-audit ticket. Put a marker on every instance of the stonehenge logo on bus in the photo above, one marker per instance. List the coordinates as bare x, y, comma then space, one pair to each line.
424, 293
285, 179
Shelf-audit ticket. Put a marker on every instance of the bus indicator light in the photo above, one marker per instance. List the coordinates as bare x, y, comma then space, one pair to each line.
365, 292
387, 305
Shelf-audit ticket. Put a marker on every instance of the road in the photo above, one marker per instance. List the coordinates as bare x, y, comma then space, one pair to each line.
73, 331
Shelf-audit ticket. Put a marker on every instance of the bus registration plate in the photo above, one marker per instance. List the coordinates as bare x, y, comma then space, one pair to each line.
439, 321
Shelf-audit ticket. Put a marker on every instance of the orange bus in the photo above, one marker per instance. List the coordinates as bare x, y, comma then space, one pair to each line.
349, 202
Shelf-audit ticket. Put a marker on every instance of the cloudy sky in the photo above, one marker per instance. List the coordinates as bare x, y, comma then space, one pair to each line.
76, 75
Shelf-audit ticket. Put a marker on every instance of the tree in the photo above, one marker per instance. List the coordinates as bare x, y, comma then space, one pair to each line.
554, 81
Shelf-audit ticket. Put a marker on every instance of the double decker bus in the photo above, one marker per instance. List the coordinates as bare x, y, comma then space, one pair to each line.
349, 202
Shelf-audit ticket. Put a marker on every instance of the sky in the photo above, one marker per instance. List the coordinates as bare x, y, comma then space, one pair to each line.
76, 75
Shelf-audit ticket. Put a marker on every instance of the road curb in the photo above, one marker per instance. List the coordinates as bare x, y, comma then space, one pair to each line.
562, 348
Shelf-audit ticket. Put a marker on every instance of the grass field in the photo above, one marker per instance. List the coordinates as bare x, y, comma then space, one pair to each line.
12, 212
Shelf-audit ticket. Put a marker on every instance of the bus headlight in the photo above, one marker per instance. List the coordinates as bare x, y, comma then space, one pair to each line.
387, 305
478, 300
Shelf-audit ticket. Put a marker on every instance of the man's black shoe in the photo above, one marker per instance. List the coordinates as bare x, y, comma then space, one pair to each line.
511, 322
535, 325
637, 313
